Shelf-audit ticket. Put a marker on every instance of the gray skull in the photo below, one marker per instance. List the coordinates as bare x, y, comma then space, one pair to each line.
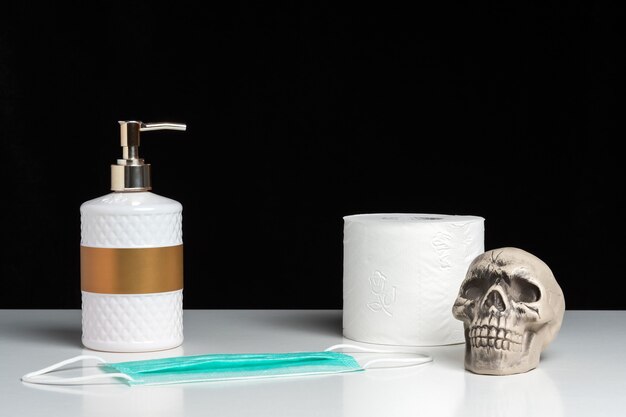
511, 307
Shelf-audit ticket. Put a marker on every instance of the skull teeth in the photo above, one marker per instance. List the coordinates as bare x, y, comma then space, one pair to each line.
491, 336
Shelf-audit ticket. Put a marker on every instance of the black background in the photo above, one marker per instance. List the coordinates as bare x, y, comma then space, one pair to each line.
299, 115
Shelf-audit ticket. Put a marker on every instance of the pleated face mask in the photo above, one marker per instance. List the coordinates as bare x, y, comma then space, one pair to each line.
222, 367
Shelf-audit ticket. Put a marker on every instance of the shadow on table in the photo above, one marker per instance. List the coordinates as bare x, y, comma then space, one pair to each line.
328, 323
51, 334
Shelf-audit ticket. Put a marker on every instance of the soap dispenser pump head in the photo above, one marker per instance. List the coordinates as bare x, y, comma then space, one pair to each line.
131, 173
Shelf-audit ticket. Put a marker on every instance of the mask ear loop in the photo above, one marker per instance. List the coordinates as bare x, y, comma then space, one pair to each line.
33, 377
410, 361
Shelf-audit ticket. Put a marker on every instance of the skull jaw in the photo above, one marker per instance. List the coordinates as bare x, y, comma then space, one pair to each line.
486, 360
515, 363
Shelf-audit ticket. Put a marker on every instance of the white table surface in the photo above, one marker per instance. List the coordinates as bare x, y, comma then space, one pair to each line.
583, 373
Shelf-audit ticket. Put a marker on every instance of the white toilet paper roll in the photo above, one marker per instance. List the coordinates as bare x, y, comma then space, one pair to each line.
402, 273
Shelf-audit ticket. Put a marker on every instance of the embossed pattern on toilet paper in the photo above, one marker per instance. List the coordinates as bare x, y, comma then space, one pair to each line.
384, 294
441, 243
402, 273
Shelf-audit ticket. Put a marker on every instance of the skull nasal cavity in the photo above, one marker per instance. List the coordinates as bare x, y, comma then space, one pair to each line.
495, 299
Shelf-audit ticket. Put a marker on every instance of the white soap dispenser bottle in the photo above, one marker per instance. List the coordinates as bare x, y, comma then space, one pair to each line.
131, 258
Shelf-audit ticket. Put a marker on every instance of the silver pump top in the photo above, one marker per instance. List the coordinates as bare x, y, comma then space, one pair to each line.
131, 173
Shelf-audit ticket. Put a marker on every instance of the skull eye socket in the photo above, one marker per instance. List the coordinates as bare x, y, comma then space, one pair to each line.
524, 291
474, 289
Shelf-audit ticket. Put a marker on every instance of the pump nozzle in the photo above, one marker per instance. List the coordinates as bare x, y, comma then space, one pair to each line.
131, 173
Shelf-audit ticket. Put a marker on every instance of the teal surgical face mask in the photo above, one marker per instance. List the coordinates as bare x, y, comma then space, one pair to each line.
223, 367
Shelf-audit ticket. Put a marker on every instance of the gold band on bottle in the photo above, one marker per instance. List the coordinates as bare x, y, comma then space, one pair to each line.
131, 271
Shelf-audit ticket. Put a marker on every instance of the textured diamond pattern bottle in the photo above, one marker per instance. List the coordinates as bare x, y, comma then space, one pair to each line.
132, 258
